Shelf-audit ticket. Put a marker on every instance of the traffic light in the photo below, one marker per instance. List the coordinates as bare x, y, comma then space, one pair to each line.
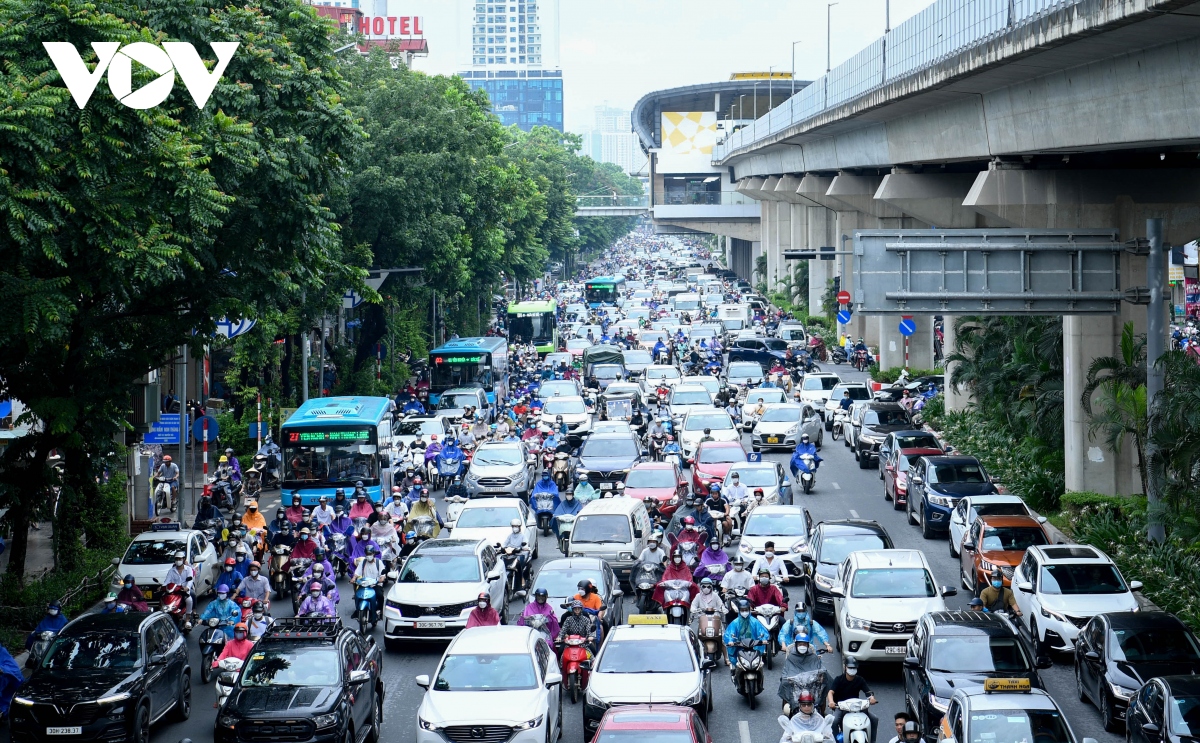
837, 284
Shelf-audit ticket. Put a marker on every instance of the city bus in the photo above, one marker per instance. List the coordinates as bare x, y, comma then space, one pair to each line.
604, 290
334, 442
469, 362
535, 322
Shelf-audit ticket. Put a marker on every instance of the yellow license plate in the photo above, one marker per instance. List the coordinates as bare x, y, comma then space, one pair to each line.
772, 439
148, 593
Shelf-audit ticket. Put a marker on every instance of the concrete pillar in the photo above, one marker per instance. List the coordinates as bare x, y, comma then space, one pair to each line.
779, 214
891, 342
956, 399
820, 232
1089, 466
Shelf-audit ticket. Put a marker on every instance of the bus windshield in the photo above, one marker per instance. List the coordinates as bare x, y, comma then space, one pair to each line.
527, 327
460, 371
602, 293
335, 457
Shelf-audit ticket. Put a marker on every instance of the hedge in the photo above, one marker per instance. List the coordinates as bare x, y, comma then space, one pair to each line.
888, 376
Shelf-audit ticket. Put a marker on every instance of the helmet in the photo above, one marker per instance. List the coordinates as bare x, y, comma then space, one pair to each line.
255, 564
997, 574
515, 523
806, 697
541, 592
417, 480
743, 605
319, 551
339, 491
483, 596
800, 606
223, 459
707, 581
707, 431
167, 458
976, 603
222, 588
851, 662
576, 604
739, 560
180, 556
240, 626
715, 487
314, 586
689, 521
804, 438
230, 561
358, 484
584, 585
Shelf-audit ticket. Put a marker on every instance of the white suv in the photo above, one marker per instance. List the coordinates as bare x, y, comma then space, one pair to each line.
878, 596
816, 388
1060, 587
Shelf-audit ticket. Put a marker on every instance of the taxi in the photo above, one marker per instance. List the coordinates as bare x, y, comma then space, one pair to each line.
1005, 709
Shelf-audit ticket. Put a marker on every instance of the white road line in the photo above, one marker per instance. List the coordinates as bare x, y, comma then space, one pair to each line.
836, 486
744, 731
853, 513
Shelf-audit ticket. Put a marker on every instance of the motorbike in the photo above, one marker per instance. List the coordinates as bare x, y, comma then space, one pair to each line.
448, 467
576, 664
645, 577
37, 651
561, 471
711, 634
227, 675
173, 599
771, 617
538, 623
657, 442
252, 483
165, 496
280, 578
454, 507
856, 726
222, 492
543, 503
811, 681
338, 556
840, 419
691, 553
732, 599
566, 523
861, 360
212, 642
677, 599
748, 670
838, 355
808, 736
515, 575
212, 529
297, 568
364, 604
548, 460
661, 394
808, 473
718, 519
423, 529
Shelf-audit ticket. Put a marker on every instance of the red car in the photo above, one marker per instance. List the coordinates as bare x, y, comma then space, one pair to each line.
895, 473
658, 722
713, 460
661, 481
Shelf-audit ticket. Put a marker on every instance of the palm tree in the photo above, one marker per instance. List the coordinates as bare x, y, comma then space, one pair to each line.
1121, 384
1175, 457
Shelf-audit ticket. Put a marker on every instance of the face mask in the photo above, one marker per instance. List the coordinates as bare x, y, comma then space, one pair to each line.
802, 649
228, 568
54, 612
315, 594
570, 496
678, 560
851, 671
998, 584
706, 589
222, 596
738, 568
239, 635
745, 614
258, 614
653, 547
516, 530
770, 553
303, 537
179, 563
321, 571
764, 581
424, 498
129, 585
482, 604
241, 558
255, 510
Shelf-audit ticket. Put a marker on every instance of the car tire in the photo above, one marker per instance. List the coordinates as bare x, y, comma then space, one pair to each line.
376, 733
854, 450
829, 425
1107, 717
926, 532
954, 554
392, 644
141, 725
864, 462
908, 512
1079, 690
183, 704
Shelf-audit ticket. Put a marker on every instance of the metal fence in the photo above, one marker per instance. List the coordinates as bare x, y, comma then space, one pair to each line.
592, 202
945, 28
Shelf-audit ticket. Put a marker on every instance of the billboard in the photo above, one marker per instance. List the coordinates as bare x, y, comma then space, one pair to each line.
689, 132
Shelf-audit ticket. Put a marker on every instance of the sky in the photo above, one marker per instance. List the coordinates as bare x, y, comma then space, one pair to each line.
616, 51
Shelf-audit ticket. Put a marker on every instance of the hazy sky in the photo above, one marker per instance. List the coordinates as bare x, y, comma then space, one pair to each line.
616, 51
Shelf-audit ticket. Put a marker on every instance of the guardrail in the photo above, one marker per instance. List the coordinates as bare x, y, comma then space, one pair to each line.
945, 28
596, 202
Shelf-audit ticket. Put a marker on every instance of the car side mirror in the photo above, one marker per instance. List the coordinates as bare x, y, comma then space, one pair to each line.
422, 681
1151, 730
837, 591
1025, 587
617, 593
1044, 661
554, 678
1135, 585
805, 557
521, 594
1092, 655
708, 664
360, 677
949, 591
917, 480
912, 661
116, 561
968, 546
637, 533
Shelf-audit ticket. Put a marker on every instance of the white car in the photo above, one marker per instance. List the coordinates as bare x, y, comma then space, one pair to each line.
408, 429
815, 388
789, 527
878, 596
771, 477
1059, 588
655, 375
782, 424
438, 587
151, 554
574, 412
859, 392
710, 383
973, 506
490, 519
502, 679
559, 388
685, 397
716, 420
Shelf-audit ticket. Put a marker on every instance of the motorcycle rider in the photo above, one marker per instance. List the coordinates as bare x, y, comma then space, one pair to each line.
295, 512
688, 508
584, 491
424, 507
168, 472
799, 658
317, 603
182, 574
743, 627
305, 547
208, 512
131, 595
848, 686
362, 507
241, 563
53, 621
285, 536
671, 447
691, 533
255, 585
483, 615
252, 519
370, 567
803, 624
234, 465
540, 605
772, 564
457, 488
259, 621
676, 569
717, 501
239, 647
764, 592
224, 610
544, 485
517, 542
736, 492
569, 506
806, 720
845, 402
276, 526
998, 598
713, 561
804, 447
652, 554
902, 719
739, 577
576, 622
323, 513
707, 599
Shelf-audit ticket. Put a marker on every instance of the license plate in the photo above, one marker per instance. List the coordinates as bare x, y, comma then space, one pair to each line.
772, 439
64, 731
895, 649
606, 486
429, 625
148, 593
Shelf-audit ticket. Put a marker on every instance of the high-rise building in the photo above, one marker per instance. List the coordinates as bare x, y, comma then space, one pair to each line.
613, 141
509, 48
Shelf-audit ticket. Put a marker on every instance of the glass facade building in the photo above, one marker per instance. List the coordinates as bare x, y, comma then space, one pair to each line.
527, 98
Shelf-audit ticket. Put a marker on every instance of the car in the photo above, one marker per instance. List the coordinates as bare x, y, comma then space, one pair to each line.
771, 477
605, 374
718, 423
1004, 709
631, 390
490, 519
1165, 710
789, 527
710, 383
438, 587
660, 481
645, 663
561, 579
872, 427
105, 677
858, 392
878, 596
613, 427
606, 458
934, 486
895, 468
493, 684
908, 439
816, 387
454, 402
636, 360
151, 554
552, 388
576, 346
973, 506
828, 546
765, 396
1060, 587
712, 462
500, 468
765, 351
1118, 652
652, 722
574, 412
685, 397
794, 334
997, 542
557, 358
658, 374
782, 425
952, 649
407, 430
648, 338
743, 374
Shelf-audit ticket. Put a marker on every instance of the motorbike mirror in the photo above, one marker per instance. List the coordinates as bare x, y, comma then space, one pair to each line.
553, 679
617, 593
422, 681
522, 594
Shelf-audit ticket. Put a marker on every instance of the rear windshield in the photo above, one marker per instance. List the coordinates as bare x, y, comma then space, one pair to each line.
692, 397
885, 418
820, 383
781, 415
650, 478
618, 446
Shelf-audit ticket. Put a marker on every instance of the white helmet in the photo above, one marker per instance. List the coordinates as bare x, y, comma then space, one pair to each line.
515, 523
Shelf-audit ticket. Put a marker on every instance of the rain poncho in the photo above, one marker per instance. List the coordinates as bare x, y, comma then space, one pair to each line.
426, 508
675, 572
709, 558
533, 607
483, 617
741, 628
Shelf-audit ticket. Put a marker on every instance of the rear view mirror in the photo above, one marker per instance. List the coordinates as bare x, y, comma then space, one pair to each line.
1135, 585
948, 591
1025, 587
912, 662
422, 681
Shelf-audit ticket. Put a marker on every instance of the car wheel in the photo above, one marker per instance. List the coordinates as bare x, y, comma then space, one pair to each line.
926, 532
391, 644
855, 450
1033, 637
1079, 690
953, 552
376, 732
864, 462
829, 425
183, 705
141, 725
1107, 717
912, 520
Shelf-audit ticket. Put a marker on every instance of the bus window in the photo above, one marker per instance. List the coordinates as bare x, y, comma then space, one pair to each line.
463, 372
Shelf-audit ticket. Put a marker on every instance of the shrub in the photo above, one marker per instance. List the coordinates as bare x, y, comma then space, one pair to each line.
1026, 468
889, 376
22, 606
934, 411
1076, 502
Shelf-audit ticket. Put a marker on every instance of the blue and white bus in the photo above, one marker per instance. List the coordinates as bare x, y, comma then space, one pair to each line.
469, 362
333, 442
604, 291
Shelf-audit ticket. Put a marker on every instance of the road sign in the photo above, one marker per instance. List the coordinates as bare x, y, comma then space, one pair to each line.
908, 326
257, 431
234, 328
165, 431
843, 297
198, 428
844, 317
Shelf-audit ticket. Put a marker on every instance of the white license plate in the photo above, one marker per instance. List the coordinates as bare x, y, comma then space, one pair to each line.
429, 625
606, 486
64, 731
895, 649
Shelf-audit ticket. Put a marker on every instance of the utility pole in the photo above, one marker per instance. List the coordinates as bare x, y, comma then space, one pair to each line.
794, 43
1156, 337
828, 35
770, 88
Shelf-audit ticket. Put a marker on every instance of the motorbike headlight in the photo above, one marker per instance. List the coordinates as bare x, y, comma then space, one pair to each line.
530, 724
856, 623
938, 703
427, 725
325, 721
1121, 692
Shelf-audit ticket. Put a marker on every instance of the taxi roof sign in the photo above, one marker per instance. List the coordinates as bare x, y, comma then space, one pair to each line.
991, 685
653, 619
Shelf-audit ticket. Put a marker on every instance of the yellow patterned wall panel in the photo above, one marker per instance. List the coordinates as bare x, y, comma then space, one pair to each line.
689, 132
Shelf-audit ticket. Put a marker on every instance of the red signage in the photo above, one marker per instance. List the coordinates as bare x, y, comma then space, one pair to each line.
843, 297
391, 25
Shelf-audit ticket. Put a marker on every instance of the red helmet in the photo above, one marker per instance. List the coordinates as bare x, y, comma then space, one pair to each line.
689, 521
417, 480
485, 597
806, 696
230, 561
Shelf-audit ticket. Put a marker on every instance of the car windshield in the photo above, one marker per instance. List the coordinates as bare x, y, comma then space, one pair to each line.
560, 406
566, 582
500, 672
777, 525
904, 461
820, 383
93, 651
601, 528
651, 478
885, 418
781, 415
1153, 645
636, 357
1185, 716
733, 324
951, 473
747, 369
835, 547
289, 664
433, 567
755, 477
769, 395
457, 401
608, 371
153, 552
856, 393
1012, 538
1018, 726
426, 427
1081, 579
715, 421
691, 397
486, 517
498, 455
645, 656
662, 372
893, 583
976, 655
721, 455
615, 447
918, 441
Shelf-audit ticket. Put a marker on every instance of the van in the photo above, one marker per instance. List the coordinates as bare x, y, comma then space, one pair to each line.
685, 302
734, 312
612, 529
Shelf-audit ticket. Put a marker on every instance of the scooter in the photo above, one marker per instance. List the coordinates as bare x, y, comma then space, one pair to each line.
812, 681
173, 598
576, 665
677, 598
645, 577
808, 736
808, 473
164, 496
771, 618
516, 575
276, 568
297, 568
538, 623
454, 507
212, 642
543, 504
566, 523
748, 670
364, 605
252, 483
337, 554
228, 670
856, 726
711, 633
840, 419
561, 472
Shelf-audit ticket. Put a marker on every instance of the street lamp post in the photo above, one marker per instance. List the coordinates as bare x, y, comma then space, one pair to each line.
828, 35
794, 43
756, 101
770, 88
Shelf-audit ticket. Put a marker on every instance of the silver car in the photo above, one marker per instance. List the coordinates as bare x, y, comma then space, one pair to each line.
501, 468
782, 425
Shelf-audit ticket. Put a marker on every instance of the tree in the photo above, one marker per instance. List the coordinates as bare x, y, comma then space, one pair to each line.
1175, 457
1121, 384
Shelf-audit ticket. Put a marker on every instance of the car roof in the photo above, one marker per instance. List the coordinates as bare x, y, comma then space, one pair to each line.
462, 390
686, 386
611, 435
153, 536
924, 451
765, 464
454, 546
878, 405
981, 701
610, 506
635, 717
722, 445
851, 526
653, 466
492, 639
852, 384
1003, 521
573, 563
894, 558
984, 500
784, 405
647, 632
820, 374
1143, 620
965, 623
490, 501
117, 622
499, 445
952, 459
1071, 553
768, 510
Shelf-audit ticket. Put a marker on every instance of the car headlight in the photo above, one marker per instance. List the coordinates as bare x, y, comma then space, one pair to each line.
113, 699
593, 700
800, 545
856, 623
529, 724
985, 565
792, 431
1051, 614
1121, 692
939, 500
694, 699
625, 556
227, 721
938, 703
23, 701
325, 721
743, 547
823, 581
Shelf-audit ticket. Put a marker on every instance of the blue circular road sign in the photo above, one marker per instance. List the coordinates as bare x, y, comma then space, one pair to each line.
908, 326
198, 428
844, 316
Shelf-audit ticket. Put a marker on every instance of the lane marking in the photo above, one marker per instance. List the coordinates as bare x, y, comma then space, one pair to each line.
853, 513
836, 486
744, 731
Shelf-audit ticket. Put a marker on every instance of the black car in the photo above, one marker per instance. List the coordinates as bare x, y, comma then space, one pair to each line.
605, 458
1118, 652
935, 485
955, 649
308, 679
1165, 710
831, 541
878, 420
106, 677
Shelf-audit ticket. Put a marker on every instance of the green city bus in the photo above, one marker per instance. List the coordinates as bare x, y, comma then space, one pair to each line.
535, 322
